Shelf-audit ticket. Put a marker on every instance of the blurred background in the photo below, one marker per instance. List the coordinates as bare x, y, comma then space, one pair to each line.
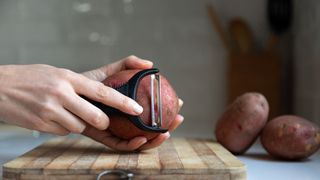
182, 37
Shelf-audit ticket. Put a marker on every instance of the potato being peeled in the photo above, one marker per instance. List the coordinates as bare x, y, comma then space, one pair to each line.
120, 125
291, 137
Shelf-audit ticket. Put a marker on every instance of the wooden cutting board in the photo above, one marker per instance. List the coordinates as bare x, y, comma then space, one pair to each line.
82, 158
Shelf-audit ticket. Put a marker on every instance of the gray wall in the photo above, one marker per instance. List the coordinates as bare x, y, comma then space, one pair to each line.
175, 34
307, 61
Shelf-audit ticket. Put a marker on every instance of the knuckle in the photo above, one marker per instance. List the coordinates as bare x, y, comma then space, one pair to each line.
66, 75
57, 90
46, 110
125, 103
65, 72
96, 119
102, 91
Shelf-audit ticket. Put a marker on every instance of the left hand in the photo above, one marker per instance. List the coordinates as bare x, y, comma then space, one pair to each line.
105, 136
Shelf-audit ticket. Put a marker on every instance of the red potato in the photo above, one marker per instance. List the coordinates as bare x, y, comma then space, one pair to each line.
241, 123
121, 126
291, 137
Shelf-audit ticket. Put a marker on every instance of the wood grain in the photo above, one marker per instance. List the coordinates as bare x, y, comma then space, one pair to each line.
169, 158
83, 158
149, 160
191, 162
206, 154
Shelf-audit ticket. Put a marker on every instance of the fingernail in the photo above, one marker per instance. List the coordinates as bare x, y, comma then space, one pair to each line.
180, 117
147, 62
168, 135
143, 141
180, 102
137, 108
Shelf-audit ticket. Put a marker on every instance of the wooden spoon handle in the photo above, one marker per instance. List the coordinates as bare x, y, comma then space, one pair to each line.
218, 27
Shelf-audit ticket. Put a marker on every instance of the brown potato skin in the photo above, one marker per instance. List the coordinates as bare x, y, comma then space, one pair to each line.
241, 123
291, 137
121, 127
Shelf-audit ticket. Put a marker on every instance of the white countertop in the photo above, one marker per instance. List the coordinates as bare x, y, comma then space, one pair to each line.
260, 166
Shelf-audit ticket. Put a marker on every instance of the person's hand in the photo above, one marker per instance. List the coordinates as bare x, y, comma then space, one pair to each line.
104, 136
47, 99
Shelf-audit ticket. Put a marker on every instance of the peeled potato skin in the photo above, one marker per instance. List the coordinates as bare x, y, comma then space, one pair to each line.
291, 137
121, 126
241, 123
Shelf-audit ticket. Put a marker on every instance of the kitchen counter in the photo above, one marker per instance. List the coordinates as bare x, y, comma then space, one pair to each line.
263, 167
16, 141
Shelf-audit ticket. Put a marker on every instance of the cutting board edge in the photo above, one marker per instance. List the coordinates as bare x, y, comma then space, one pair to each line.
240, 175
138, 171
137, 177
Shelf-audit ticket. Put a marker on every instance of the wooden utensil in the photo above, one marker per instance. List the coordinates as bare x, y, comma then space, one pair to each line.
177, 158
241, 35
217, 25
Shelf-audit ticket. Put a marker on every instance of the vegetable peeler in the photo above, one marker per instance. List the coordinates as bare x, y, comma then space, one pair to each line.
130, 89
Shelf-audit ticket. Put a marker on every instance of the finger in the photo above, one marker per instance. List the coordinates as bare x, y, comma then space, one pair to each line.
54, 128
178, 120
68, 120
94, 133
124, 145
106, 138
97, 91
28, 119
155, 142
130, 62
86, 111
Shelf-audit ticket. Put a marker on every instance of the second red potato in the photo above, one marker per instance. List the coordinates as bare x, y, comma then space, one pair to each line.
241, 123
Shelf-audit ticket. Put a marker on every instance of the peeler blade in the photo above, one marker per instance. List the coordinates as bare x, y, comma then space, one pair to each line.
156, 121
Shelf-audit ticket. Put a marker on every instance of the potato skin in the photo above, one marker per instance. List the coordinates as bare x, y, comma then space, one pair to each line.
291, 137
121, 126
241, 123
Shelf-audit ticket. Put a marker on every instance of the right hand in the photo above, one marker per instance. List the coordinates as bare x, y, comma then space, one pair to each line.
47, 99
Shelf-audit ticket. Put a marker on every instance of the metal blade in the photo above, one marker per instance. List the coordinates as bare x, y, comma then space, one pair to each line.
156, 121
